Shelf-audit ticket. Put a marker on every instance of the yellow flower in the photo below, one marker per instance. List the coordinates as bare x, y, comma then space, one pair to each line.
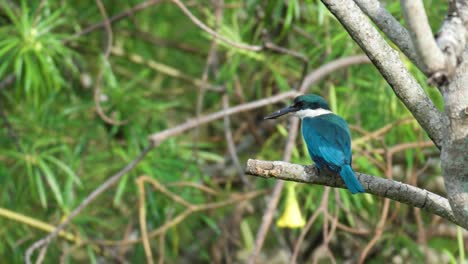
291, 217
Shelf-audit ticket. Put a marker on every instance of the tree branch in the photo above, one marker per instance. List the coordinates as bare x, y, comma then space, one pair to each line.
391, 27
394, 190
452, 36
318, 74
421, 35
158, 137
390, 66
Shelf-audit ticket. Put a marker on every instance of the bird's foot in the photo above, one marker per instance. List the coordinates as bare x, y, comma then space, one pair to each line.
317, 170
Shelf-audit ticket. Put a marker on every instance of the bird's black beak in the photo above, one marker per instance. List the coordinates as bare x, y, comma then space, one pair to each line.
281, 112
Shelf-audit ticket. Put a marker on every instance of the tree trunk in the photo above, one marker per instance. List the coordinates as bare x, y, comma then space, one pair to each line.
454, 156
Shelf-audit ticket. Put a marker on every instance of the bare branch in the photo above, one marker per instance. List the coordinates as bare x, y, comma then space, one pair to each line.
394, 190
391, 27
158, 137
421, 34
390, 66
230, 142
319, 73
213, 33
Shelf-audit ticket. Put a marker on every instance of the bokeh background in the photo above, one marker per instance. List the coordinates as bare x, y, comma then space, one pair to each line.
78, 102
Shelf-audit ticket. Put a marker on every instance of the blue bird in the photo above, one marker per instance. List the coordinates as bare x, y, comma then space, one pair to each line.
326, 135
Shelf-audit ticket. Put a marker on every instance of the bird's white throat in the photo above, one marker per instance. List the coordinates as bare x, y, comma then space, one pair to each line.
312, 112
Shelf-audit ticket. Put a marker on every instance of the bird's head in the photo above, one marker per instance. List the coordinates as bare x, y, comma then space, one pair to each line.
308, 105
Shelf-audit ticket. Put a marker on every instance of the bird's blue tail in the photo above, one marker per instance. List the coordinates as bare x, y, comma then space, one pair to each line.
350, 180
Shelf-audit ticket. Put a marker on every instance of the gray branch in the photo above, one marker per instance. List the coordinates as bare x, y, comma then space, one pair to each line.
452, 36
454, 154
394, 190
391, 27
389, 64
422, 37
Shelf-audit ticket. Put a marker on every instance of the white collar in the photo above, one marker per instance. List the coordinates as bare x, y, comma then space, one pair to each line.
312, 112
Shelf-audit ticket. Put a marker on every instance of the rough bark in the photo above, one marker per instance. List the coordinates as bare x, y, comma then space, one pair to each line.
454, 155
391, 27
394, 190
451, 39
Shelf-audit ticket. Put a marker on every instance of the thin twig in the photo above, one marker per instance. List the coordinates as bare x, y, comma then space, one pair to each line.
273, 47
136, 32
162, 250
44, 242
107, 51
8, 214
309, 224
208, 66
142, 219
383, 216
194, 185
213, 33
230, 142
118, 17
192, 208
380, 131
422, 236
158, 137
330, 67
163, 68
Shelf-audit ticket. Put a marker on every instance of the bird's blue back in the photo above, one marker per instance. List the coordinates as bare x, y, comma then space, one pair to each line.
328, 141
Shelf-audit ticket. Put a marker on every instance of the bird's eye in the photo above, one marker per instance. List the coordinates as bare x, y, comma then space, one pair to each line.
298, 104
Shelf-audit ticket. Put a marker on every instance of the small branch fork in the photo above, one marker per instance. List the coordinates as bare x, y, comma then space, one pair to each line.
189, 209
437, 57
394, 190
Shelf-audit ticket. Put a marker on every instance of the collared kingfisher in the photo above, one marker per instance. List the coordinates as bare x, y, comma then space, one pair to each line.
326, 135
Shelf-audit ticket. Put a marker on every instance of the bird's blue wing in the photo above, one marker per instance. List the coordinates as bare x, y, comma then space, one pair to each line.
328, 140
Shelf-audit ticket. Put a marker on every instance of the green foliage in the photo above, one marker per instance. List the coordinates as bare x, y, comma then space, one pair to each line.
56, 149
33, 51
